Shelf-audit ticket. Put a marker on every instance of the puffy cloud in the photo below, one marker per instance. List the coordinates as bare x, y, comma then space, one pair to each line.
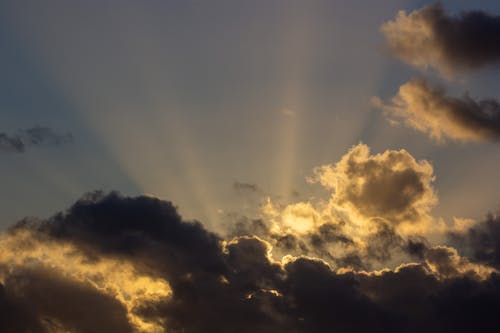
376, 214
114, 263
143, 227
391, 186
35, 136
50, 302
300, 218
430, 37
445, 262
429, 110
27, 254
423, 302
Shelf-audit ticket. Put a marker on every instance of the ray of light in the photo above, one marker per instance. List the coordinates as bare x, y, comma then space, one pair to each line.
129, 111
296, 58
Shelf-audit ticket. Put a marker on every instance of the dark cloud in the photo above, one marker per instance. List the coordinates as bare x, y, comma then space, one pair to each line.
416, 247
327, 234
37, 299
322, 301
383, 242
316, 242
428, 109
143, 228
11, 143
245, 226
228, 285
430, 37
482, 241
242, 187
326, 240
423, 303
36, 136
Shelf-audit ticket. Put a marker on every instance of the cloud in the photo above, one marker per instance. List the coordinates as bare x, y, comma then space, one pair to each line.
445, 262
40, 299
242, 187
101, 266
392, 186
27, 252
430, 37
377, 213
481, 241
422, 302
429, 110
35, 136
11, 143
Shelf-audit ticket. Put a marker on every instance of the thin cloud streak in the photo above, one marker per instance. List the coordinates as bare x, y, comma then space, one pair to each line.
24, 139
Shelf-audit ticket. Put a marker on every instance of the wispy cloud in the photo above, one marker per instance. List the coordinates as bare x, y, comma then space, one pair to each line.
22, 140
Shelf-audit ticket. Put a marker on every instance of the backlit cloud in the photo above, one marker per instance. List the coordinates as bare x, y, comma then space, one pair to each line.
429, 110
114, 263
377, 212
430, 37
392, 186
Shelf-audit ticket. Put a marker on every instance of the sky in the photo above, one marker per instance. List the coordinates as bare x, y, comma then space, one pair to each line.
166, 160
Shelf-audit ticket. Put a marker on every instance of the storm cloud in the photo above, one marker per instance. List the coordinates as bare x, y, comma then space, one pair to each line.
217, 285
40, 299
357, 261
430, 110
481, 241
431, 37
20, 141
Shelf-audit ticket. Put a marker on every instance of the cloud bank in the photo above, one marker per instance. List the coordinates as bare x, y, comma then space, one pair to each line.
430, 37
31, 137
111, 263
430, 110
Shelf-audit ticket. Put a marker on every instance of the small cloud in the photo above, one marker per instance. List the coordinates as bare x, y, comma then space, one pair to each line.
242, 187
31, 137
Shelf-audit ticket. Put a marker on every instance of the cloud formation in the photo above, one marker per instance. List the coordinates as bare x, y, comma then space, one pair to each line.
429, 110
35, 136
376, 214
392, 186
357, 261
66, 272
430, 37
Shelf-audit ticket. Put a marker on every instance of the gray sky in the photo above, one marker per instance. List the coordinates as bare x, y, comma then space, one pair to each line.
180, 99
